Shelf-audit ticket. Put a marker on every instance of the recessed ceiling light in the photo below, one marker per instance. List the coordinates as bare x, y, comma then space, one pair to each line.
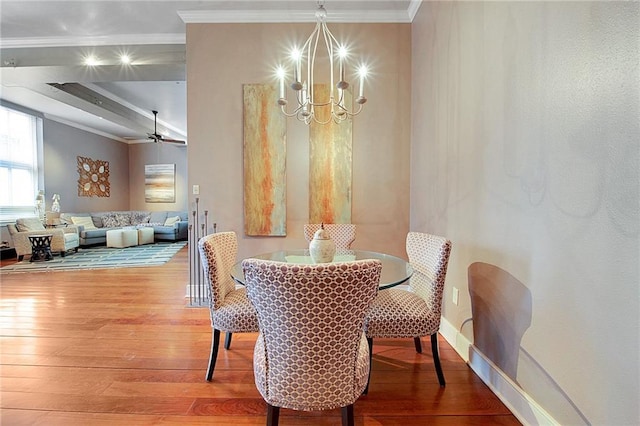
91, 61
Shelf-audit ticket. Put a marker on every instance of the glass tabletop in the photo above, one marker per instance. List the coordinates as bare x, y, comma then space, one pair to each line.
395, 270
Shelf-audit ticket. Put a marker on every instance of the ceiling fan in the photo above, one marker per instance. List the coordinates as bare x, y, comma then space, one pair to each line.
157, 137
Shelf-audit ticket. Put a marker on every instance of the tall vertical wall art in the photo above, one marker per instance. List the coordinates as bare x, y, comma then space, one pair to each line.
264, 162
160, 183
330, 160
93, 179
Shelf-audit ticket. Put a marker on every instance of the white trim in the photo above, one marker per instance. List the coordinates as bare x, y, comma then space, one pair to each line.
513, 396
115, 39
456, 339
413, 9
280, 16
526, 410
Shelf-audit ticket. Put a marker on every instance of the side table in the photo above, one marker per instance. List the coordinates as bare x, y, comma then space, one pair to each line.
40, 247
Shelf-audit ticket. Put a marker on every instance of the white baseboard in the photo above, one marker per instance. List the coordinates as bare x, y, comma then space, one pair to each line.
456, 339
526, 410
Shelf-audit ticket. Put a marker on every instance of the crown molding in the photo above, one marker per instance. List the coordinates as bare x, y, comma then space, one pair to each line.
291, 16
413, 9
110, 40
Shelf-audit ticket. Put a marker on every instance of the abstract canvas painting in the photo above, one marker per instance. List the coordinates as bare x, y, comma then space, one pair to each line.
264, 162
159, 183
330, 159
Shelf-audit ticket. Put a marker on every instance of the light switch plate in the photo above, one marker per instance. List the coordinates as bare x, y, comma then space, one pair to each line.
196, 189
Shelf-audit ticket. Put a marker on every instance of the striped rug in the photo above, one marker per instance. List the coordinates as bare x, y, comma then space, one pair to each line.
102, 257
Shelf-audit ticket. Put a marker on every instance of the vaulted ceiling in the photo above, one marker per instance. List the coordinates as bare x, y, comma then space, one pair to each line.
44, 46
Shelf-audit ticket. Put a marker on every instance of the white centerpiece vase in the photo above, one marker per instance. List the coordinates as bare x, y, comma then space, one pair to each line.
322, 248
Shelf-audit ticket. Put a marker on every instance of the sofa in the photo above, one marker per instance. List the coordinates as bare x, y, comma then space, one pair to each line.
63, 238
92, 227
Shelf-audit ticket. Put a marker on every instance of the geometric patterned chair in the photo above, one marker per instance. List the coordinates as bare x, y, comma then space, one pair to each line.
229, 308
62, 239
416, 312
343, 234
311, 353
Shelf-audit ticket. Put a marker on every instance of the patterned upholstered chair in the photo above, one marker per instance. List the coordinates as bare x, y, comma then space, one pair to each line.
229, 307
343, 234
62, 239
311, 353
416, 312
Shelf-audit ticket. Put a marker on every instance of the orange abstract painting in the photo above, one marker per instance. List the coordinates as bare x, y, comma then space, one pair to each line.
264, 162
329, 166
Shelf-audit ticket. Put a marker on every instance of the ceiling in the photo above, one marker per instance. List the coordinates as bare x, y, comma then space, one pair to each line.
43, 46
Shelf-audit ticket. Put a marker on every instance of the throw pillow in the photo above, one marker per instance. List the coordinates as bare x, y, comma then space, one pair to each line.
84, 221
109, 221
123, 219
171, 220
29, 224
139, 218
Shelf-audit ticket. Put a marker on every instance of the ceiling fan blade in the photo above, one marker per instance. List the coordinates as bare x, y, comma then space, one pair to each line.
173, 141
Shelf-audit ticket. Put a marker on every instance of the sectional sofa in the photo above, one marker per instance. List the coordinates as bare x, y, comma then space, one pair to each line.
92, 227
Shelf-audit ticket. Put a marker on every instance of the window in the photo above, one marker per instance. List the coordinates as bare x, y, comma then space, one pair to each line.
20, 139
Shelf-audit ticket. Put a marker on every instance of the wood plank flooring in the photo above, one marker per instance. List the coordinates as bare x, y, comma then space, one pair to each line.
121, 347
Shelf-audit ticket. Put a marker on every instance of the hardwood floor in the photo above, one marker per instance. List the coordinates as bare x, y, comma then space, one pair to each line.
121, 347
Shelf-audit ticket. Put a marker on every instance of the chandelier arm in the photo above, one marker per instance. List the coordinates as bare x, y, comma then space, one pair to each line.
320, 104
315, 118
351, 114
328, 37
290, 114
302, 95
312, 65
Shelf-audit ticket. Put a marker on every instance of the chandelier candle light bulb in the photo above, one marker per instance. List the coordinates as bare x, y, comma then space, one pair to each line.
363, 73
304, 89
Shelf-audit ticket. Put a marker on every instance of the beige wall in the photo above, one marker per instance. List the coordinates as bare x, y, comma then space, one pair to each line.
525, 153
62, 144
222, 57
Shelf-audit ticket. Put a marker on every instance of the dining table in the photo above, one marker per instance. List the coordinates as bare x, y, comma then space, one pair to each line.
395, 270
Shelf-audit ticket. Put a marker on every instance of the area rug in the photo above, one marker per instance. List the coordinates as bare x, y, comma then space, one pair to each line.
102, 257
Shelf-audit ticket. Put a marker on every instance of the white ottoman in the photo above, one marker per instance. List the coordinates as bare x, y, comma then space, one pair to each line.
121, 238
145, 236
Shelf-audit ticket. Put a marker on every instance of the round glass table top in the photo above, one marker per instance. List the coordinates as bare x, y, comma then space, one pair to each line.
395, 270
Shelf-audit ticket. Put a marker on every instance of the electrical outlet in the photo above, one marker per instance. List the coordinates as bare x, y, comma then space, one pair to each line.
196, 189
456, 294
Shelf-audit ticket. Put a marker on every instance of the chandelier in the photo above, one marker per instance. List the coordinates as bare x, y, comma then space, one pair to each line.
304, 61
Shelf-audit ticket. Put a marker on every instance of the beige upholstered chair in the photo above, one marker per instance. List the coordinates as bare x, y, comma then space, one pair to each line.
62, 239
343, 234
414, 313
311, 353
229, 307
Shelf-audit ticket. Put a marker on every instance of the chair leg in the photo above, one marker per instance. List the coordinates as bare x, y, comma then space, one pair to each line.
215, 342
347, 415
418, 344
227, 341
436, 358
273, 415
370, 342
